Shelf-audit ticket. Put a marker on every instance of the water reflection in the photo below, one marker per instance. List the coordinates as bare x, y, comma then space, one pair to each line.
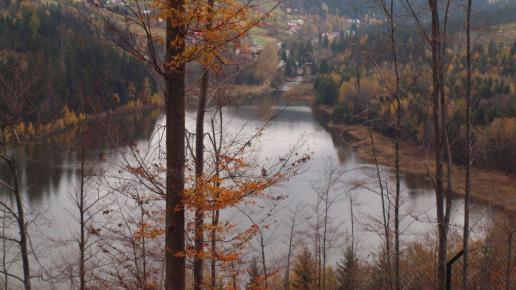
49, 167
49, 170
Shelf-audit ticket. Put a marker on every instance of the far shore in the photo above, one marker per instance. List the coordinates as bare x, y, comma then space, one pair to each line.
491, 187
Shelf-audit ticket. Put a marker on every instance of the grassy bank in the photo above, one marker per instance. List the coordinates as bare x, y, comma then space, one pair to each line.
493, 187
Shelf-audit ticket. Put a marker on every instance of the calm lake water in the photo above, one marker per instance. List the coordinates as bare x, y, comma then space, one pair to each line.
49, 173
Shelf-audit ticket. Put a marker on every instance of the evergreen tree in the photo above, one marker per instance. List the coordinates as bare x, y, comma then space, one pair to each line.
346, 271
303, 271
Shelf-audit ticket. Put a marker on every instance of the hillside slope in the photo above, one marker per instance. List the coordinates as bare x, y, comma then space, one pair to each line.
66, 60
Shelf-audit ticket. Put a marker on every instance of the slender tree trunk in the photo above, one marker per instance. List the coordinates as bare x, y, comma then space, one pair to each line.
324, 240
82, 240
216, 214
351, 205
386, 221
199, 166
19, 215
444, 115
439, 145
4, 253
214, 223
468, 150
175, 145
397, 282
24, 247
264, 263
287, 273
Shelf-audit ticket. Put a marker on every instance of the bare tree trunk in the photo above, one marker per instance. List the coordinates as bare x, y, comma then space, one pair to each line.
352, 215
468, 150
386, 221
438, 144
81, 219
264, 263
175, 144
325, 230
444, 115
317, 243
22, 226
4, 253
287, 273
397, 282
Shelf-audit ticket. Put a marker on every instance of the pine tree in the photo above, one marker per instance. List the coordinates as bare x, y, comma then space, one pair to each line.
304, 271
346, 269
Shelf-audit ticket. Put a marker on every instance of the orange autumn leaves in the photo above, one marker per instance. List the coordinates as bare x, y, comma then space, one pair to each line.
236, 179
209, 27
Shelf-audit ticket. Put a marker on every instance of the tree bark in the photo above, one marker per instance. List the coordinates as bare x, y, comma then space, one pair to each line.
24, 252
264, 262
81, 219
199, 165
199, 168
175, 145
287, 272
216, 213
438, 144
467, 192
397, 282
385, 216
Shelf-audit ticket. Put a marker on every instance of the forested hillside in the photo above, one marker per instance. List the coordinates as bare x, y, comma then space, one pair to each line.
352, 76
492, 11
257, 145
65, 61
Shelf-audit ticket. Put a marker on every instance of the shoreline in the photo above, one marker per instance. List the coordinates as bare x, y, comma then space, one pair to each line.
491, 187
120, 112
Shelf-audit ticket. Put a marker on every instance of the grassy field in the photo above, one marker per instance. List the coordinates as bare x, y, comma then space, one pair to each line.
259, 35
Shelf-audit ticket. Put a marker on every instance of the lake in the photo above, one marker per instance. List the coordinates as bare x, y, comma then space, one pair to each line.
49, 172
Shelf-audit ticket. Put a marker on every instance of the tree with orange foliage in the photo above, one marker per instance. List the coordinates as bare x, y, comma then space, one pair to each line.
194, 31
233, 177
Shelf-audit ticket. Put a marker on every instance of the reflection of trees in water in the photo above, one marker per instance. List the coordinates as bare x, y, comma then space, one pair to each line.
417, 184
285, 115
47, 164
344, 152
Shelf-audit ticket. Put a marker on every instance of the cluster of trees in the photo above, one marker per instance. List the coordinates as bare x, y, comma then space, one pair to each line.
359, 95
67, 61
491, 261
296, 53
419, 85
262, 71
132, 229
156, 219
